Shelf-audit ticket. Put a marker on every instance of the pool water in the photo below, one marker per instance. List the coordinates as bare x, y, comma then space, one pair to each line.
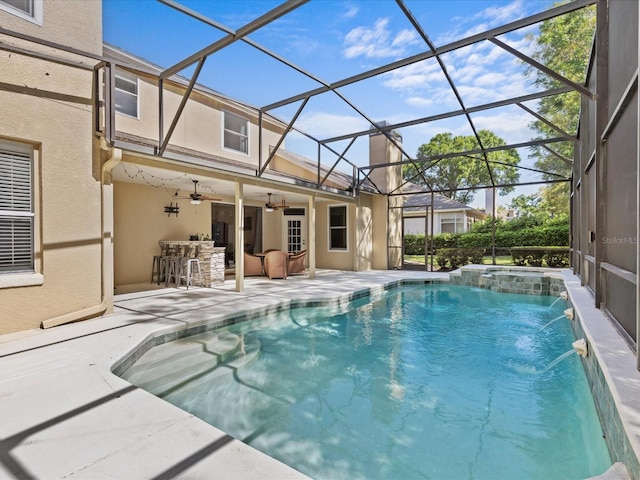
422, 382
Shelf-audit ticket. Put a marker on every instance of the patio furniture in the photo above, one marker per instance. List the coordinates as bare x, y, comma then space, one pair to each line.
296, 263
275, 264
174, 265
159, 267
252, 265
190, 262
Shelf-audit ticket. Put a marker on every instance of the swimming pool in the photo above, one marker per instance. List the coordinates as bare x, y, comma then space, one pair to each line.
428, 381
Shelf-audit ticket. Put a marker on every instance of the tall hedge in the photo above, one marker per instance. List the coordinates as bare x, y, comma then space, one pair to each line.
542, 236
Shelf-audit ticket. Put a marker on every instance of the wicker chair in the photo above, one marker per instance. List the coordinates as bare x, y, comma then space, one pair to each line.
275, 264
252, 265
296, 263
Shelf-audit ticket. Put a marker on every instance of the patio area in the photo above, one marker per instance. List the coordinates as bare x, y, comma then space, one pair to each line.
72, 417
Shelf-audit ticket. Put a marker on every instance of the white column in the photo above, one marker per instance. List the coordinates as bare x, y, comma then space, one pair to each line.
239, 237
311, 237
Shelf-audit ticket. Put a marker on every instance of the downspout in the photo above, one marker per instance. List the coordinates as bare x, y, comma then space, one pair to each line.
106, 246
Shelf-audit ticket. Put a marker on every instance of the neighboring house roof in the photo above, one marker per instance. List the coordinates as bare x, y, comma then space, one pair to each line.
418, 201
440, 202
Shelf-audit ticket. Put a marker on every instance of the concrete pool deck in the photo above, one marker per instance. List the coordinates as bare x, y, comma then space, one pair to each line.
65, 414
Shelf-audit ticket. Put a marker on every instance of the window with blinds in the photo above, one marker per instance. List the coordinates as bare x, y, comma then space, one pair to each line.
16, 210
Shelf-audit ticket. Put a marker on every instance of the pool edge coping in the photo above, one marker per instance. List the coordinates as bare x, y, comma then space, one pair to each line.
579, 298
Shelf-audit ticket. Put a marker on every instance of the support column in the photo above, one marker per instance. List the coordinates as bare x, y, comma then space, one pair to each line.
600, 166
493, 225
311, 236
239, 236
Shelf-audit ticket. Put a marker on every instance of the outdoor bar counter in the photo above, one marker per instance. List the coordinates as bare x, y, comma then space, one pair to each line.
211, 260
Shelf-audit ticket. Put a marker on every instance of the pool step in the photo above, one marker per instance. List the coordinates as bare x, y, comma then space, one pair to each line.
181, 352
176, 365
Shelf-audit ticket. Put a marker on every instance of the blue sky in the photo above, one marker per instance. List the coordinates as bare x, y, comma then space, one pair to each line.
335, 39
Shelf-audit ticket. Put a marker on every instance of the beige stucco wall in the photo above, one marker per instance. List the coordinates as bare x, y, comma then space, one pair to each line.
363, 226
66, 22
341, 260
272, 229
200, 125
281, 164
379, 232
140, 223
49, 106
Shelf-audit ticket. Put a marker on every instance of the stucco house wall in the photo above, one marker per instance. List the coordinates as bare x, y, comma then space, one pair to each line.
200, 126
92, 234
416, 224
48, 107
138, 231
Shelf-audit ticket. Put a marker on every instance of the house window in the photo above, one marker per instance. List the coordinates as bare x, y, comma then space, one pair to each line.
28, 9
453, 223
338, 227
236, 133
126, 94
16, 208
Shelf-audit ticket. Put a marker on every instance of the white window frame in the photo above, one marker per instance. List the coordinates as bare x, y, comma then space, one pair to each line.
330, 228
36, 17
127, 77
456, 219
23, 276
232, 132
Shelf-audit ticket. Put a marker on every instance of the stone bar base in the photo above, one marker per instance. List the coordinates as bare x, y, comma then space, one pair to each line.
211, 260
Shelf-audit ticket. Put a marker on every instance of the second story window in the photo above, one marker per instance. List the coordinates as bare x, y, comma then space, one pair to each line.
126, 94
28, 9
236, 133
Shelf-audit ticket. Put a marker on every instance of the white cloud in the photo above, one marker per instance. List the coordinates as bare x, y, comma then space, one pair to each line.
488, 18
490, 79
511, 127
467, 73
417, 76
377, 42
303, 45
325, 124
504, 14
352, 11
420, 102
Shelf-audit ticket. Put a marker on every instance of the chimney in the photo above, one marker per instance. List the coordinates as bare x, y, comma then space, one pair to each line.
488, 201
382, 151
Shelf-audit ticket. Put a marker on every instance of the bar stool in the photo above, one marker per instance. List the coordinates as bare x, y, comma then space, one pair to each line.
173, 266
158, 269
189, 269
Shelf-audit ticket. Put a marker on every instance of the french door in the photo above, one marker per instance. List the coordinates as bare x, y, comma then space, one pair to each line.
295, 233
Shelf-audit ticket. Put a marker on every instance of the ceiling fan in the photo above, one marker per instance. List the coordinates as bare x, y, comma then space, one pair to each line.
270, 206
195, 197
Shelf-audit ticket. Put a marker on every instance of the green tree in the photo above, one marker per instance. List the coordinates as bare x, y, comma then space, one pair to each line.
450, 175
563, 45
526, 205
